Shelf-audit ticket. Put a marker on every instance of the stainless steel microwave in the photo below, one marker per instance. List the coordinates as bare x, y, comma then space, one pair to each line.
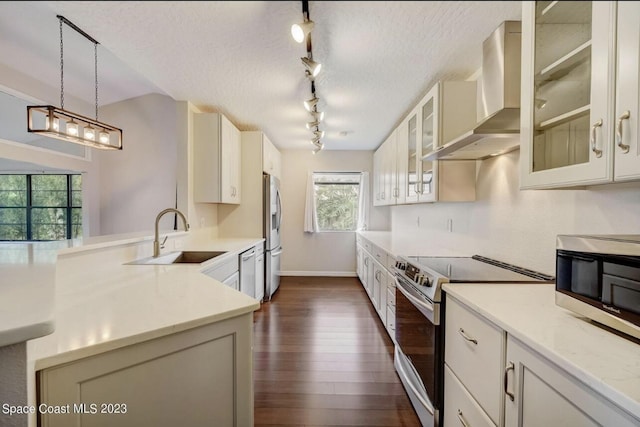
599, 277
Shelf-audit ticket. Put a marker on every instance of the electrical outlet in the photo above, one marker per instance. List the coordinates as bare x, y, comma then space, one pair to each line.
450, 225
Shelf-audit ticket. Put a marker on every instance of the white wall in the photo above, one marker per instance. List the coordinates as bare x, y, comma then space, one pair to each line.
319, 253
140, 180
520, 226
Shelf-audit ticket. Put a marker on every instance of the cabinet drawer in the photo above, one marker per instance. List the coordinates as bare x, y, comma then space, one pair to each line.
459, 407
380, 256
474, 351
391, 262
391, 296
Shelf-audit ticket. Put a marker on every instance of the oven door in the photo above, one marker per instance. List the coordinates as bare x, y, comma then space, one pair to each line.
418, 351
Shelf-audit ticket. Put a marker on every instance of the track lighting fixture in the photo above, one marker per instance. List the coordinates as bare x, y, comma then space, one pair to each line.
300, 31
313, 67
58, 123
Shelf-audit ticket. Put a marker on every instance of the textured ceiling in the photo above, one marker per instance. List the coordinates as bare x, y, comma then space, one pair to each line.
378, 58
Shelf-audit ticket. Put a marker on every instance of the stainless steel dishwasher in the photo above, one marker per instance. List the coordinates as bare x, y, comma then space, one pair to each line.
248, 272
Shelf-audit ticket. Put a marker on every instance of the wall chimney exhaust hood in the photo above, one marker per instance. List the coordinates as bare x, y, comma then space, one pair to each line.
498, 101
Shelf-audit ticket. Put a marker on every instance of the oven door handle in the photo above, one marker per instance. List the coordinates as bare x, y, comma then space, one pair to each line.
415, 391
425, 308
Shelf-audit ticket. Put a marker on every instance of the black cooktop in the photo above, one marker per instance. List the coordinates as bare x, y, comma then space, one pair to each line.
478, 269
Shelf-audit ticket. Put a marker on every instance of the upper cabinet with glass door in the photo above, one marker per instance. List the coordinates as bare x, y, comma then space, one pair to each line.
567, 93
446, 112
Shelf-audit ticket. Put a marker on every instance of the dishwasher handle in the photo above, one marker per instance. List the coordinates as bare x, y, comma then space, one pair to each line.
249, 256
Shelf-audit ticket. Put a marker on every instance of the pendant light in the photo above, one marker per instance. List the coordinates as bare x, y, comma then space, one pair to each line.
67, 126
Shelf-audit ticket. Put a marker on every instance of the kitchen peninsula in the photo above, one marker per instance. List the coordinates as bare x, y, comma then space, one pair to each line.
132, 337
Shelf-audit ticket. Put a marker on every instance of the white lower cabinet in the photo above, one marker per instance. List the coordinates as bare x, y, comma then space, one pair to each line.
198, 377
491, 378
460, 409
233, 281
474, 352
260, 272
374, 268
539, 393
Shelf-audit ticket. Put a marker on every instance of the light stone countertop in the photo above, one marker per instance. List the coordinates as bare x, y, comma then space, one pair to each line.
606, 362
102, 305
407, 245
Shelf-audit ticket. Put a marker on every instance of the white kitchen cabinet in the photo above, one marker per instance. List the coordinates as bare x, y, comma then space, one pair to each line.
260, 272
246, 220
391, 306
539, 393
233, 281
474, 352
447, 111
378, 178
216, 159
359, 264
247, 261
492, 378
271, 158
390, 170
568, 81
201, 376
627, 120
379, 286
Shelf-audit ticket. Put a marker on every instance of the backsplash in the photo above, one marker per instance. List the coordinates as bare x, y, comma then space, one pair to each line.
516, 226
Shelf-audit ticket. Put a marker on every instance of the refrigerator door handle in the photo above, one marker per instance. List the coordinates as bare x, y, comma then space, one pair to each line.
277, 252
279, 209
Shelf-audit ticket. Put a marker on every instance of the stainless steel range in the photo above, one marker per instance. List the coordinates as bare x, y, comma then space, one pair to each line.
419, 354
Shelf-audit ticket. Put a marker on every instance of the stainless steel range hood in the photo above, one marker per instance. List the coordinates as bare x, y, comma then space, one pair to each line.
498, 101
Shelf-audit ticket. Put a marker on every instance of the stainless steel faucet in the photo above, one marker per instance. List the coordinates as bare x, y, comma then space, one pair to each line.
156, 240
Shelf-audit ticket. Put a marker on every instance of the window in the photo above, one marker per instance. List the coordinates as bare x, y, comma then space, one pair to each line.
337, 200
40, 207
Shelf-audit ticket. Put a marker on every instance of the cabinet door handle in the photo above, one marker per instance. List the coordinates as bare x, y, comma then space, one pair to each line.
467, 337
510, 367
596, 125
462, 420
623, 147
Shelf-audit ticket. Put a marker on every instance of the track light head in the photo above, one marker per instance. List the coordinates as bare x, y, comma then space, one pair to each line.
313, 124
299, 32
313, 67
316, 141
319, 133
318, 115
310, 103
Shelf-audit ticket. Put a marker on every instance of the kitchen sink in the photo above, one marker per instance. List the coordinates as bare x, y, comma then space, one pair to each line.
181, 257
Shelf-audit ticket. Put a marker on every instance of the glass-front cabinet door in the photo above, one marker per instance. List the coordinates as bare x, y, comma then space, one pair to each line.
411, 188
566, 129
427, 128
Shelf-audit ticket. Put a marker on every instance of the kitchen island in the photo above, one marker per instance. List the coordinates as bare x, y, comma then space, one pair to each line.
143, 344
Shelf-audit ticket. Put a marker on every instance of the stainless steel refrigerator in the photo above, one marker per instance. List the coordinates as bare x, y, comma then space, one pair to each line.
272, 226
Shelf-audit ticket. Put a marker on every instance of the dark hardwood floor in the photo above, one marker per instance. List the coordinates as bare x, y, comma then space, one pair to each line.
323, 358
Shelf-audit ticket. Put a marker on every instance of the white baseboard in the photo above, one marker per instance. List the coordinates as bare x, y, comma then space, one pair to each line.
319, 273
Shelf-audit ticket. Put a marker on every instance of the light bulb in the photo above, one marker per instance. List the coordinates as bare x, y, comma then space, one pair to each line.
300, 31
104, 137
72, 128
56, 123
90, 133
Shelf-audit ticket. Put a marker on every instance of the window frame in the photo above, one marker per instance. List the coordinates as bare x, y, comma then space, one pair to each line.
29, 207
359, 186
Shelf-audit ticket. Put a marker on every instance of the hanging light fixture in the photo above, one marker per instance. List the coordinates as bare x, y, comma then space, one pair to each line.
65, 125
319, 133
